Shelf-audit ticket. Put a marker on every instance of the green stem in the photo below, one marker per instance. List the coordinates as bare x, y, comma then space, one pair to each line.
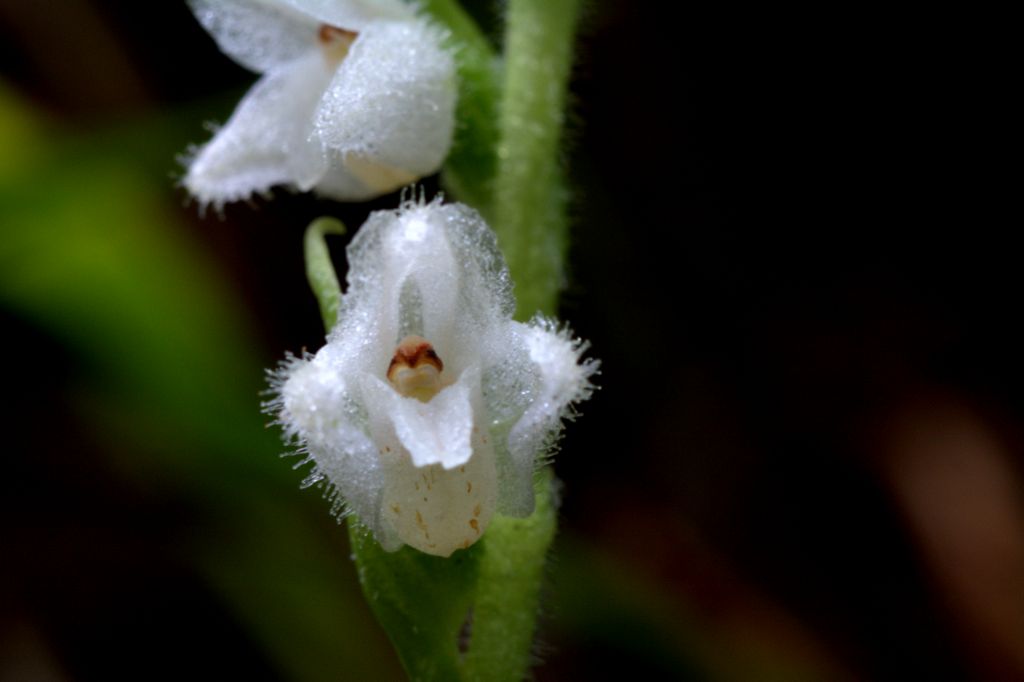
530, 194
461, 25
320, 270
472, 163
507, 600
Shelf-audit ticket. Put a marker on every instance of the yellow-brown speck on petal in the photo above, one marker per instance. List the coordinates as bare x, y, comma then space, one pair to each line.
335, 42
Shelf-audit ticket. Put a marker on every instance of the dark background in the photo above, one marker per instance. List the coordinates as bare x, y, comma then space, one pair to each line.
790, 252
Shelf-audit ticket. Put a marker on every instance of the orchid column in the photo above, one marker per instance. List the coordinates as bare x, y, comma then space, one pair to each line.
431, 412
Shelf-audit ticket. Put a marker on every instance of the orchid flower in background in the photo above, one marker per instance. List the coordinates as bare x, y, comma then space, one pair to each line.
429, 408
356, 99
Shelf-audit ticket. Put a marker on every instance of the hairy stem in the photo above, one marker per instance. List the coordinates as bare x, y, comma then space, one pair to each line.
507, 598
530, 194
472, 163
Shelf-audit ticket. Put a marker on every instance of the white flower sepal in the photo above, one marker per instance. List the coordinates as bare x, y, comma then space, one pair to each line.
429, 408
357, 99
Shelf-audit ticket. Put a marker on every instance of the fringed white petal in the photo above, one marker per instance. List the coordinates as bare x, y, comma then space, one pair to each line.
258, 34
389, 112
560, 380
318, 407
265, 142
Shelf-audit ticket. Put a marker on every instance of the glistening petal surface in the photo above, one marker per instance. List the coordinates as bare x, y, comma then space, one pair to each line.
320, 409
389, 111
560, 380
354, 15
265, 142
258, 34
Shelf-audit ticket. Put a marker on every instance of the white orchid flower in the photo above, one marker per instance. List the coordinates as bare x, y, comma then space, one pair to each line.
357, 99
429, 408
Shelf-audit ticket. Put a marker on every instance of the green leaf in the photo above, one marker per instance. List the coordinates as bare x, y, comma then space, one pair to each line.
93, 251
468, 617
421, 601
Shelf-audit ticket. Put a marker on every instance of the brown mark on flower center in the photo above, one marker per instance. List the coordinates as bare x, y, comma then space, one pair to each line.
335, 41
415, 369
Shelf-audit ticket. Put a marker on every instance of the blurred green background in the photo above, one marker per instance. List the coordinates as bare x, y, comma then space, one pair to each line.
804, 462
